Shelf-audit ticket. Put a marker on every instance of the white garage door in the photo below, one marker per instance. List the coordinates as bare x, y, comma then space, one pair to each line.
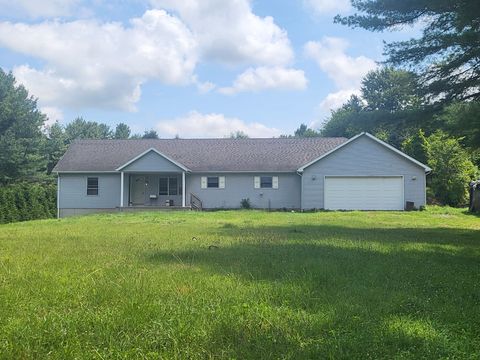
363, 193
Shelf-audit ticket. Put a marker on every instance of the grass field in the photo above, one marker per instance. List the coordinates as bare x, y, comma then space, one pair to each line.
273, 285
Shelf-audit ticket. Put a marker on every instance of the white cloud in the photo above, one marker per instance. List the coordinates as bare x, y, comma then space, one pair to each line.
336, 99
345, 71
229, 32
198, 125
36, 8
330, 55
203, 87
53, 114
102, 64
328, 6
262, 78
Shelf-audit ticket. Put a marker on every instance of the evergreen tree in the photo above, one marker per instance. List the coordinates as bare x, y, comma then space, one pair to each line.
447, 54
21, 139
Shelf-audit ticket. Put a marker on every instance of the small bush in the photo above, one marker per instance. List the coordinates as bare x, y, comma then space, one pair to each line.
245, 204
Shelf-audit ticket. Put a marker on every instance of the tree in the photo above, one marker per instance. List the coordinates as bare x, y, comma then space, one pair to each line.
461, 119
448, 52
390, 90
415, 145
390, 105
122, 131
150, 134
238, 135
56, 145
345, 121
82, 129
304, 131
21, 139
452, 169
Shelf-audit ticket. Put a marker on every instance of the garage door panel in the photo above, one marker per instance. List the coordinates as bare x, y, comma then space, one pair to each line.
363, 193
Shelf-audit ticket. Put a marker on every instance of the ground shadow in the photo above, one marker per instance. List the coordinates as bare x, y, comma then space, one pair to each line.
415, 289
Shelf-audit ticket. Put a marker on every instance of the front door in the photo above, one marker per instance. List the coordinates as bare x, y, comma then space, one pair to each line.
138, 190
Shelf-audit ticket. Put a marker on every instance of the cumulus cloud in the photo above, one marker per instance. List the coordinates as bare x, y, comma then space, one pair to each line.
262, 78
196, 124
229, 32
345, 71
328, 6
102, 64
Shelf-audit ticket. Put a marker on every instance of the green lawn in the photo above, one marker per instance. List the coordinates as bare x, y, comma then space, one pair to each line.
276, 285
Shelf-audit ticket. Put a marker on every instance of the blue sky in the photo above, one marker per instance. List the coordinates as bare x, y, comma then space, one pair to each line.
193, 68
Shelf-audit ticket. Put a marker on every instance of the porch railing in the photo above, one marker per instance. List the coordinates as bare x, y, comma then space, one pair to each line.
195, 202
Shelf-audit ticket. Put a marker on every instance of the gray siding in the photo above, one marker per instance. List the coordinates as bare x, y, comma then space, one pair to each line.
239, 186
73, 191
362, 157
151, 162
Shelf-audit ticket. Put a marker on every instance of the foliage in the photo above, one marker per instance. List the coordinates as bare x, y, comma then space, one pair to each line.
21, 139
452, 169
238, 135
27, 201
390, 90
462, 120
415, 145
390, 105
245, 204
122, 131
56, 145
150, 134
337, 285
448, 52
305, 131
82, 129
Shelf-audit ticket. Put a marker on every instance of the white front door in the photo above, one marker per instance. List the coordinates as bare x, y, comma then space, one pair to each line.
137, 196
363, 193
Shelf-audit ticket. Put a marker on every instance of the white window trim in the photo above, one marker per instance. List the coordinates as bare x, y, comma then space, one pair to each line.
257, 182
204, 182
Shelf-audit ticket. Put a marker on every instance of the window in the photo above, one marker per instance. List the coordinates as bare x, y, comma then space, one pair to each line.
168, 186
172, 186
266, 182
163, 186
212, 182
92, 186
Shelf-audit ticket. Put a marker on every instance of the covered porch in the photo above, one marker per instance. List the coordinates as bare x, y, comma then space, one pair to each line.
154, 190
152, 180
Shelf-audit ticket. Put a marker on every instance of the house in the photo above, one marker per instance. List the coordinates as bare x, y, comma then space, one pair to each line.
361, 173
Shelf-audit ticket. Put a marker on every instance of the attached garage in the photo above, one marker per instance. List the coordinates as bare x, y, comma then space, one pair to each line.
363, 173
363, 193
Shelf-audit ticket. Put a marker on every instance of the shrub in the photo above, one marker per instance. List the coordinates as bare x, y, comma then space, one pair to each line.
452, 169
27, 201
245, 204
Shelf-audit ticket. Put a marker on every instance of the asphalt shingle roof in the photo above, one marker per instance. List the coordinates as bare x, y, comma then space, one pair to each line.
279, 154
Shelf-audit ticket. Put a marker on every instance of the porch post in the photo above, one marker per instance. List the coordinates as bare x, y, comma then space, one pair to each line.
183, 190
121, 189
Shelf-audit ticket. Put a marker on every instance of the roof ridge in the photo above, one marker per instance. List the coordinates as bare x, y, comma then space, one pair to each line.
216, 139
